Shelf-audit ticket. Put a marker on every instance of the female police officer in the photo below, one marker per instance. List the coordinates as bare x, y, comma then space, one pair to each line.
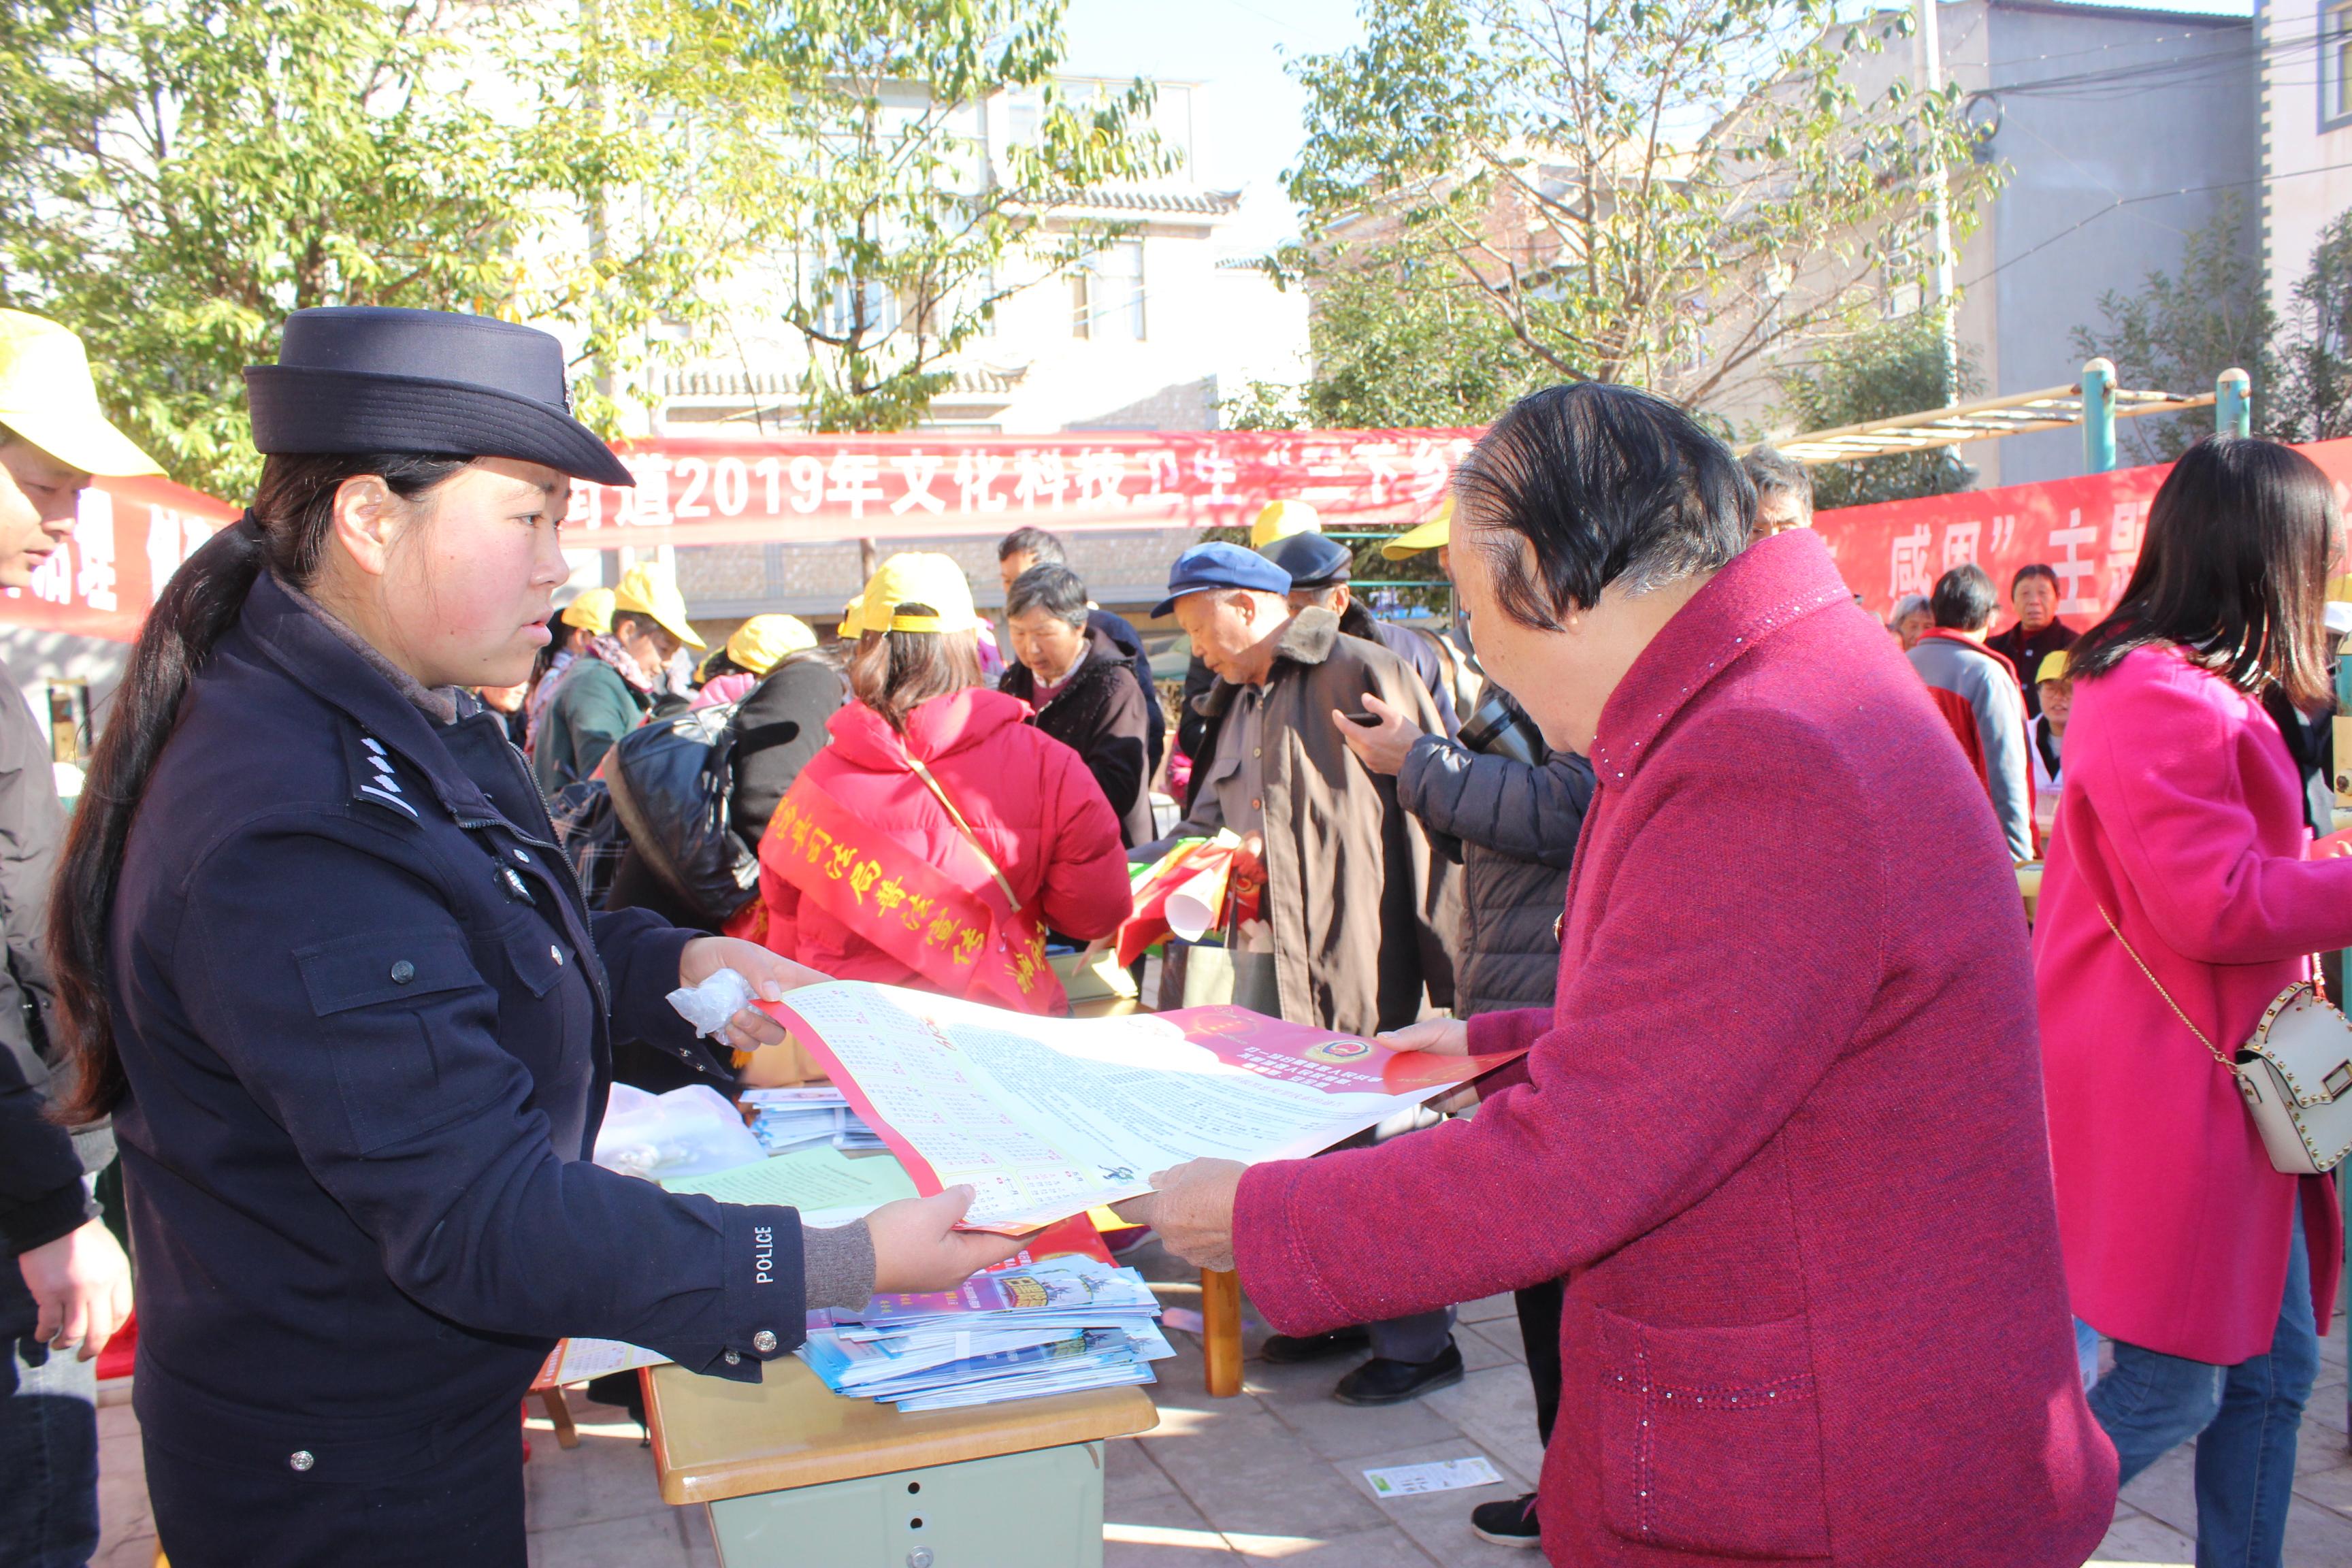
322, 960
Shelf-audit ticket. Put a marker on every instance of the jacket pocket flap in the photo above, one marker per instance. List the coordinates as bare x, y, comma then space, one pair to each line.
537, 958
384, 966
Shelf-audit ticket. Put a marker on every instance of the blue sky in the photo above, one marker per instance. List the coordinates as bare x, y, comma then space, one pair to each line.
1248, 117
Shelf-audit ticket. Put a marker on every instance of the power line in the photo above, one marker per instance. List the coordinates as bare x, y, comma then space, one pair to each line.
2135, 201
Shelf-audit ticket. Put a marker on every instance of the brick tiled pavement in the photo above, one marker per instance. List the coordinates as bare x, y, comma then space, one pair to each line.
1275, 1473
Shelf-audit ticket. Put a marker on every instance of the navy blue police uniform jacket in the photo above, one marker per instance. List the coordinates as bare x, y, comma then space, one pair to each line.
366, 1020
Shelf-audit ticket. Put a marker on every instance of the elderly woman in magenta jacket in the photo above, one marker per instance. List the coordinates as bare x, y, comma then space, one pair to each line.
2182, 824
1784, 1139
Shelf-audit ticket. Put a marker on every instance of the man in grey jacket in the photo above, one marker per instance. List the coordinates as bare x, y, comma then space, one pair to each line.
1952, 657
65, 1286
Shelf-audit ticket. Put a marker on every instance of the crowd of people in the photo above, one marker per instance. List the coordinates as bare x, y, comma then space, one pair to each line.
1818, 1214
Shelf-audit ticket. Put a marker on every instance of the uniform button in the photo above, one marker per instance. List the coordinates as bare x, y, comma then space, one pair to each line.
301, 1459
523, 855
733, 1359
555, 952
764, 1341
402, 973
1257, 805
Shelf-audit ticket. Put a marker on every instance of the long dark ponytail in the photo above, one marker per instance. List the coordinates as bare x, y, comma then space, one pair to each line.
285, 531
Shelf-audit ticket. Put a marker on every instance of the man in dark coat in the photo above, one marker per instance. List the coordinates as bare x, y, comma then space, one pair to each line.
2038, 634
1319, 570
65, 1286
1512, 821
1023, 548
1074, 676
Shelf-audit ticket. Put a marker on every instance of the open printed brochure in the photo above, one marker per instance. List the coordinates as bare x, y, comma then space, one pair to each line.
1048, 1117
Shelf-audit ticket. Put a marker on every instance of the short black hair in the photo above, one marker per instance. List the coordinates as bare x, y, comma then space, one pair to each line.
1963, 599
1041, 547
1775, 473
2232, 571
651, 627
1054, 589
2026, 574
1607, 484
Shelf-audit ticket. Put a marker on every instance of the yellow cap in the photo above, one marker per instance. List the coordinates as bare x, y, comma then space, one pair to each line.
761, 643
918, 577
591, 611
2053, 667
1280, 520
47, 397
1434, 534
649, 590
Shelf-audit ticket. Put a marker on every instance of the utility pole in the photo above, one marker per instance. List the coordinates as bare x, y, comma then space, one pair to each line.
1929, 43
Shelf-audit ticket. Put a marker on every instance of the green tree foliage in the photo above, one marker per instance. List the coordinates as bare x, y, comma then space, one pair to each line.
1672, 192
2311, 354
1896, 367
1393, 343
2181, 330
893, 223
175, 179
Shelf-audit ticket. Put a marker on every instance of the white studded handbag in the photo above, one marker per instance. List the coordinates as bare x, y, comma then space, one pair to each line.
2295, 1073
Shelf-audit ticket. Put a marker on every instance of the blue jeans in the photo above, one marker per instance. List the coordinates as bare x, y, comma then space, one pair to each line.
48, 1457
2244, 1419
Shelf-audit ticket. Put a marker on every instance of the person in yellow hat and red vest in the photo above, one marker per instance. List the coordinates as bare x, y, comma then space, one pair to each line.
69, 1288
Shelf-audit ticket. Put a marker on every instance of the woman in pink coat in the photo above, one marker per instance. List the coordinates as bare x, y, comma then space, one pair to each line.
2183, 823
1782, 1132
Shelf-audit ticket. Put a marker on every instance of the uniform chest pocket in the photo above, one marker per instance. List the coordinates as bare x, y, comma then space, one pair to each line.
381, 999
1710, 1439
361, 971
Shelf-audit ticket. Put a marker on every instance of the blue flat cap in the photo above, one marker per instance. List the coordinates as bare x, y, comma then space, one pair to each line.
1219, 565
1311, 560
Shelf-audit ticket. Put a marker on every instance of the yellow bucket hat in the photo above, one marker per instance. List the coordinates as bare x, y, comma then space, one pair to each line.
1280, 520
47, 397
918, 577
649, 590
2053, 667
591, 611
1434, 534
761, 643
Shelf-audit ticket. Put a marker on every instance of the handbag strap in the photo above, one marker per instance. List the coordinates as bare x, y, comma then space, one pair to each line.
2160, 991
970, 837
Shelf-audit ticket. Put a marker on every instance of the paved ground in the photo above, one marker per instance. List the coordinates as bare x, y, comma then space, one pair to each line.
1276, 1473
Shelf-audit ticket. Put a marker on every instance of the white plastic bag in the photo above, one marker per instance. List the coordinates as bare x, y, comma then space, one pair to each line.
709, 1006
688, 1131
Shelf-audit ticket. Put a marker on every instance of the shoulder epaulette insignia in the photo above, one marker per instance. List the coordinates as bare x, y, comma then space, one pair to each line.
381, 786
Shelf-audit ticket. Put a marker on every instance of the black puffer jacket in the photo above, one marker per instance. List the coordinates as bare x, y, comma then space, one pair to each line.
1100, 715
1514, 828
779, 725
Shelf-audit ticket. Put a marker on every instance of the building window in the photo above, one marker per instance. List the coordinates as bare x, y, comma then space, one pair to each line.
1106, 294
2335, 67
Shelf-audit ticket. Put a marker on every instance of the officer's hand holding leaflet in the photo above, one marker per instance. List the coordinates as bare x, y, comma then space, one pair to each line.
918, 1247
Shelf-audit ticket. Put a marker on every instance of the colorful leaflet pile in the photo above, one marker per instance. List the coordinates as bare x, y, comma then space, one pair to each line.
788, 1118
1051, 1327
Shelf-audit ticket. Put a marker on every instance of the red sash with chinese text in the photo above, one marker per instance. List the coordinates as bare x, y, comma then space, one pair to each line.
954, 938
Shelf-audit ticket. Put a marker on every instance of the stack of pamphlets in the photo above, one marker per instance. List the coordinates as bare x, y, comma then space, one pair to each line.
787, 1119
1018, 1331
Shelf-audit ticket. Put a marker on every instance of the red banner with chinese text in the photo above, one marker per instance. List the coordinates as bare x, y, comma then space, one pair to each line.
128, 537
2086, 530
703, 490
